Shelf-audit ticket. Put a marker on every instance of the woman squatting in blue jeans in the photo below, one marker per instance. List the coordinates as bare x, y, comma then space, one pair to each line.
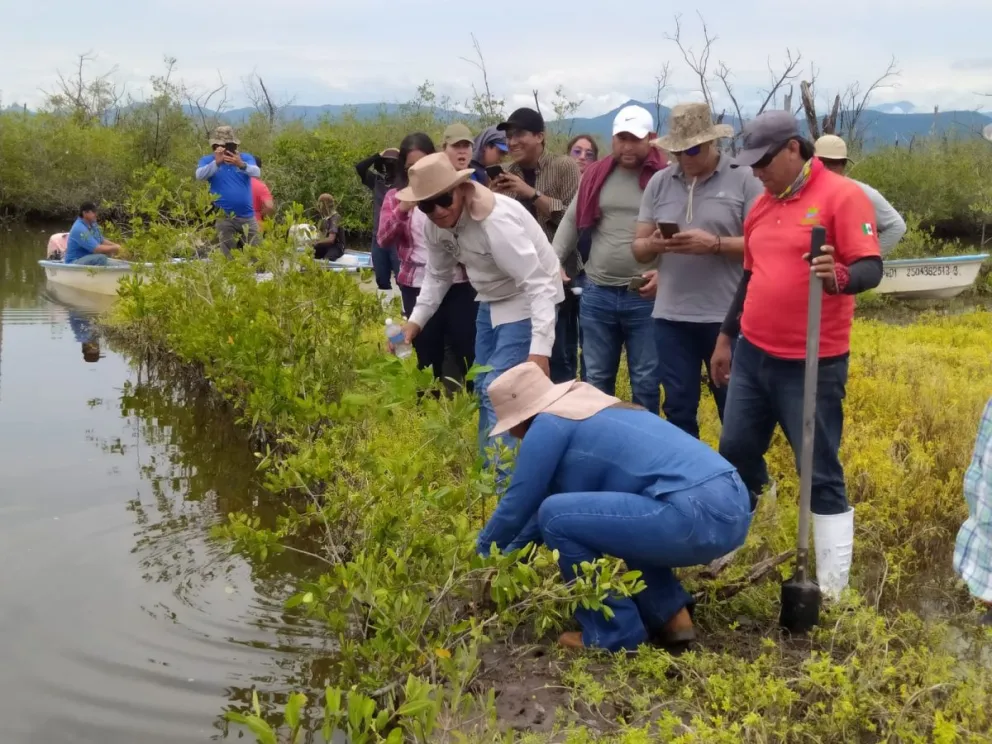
596, 476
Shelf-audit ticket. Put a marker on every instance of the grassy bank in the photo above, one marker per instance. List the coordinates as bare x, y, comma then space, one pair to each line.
383, 495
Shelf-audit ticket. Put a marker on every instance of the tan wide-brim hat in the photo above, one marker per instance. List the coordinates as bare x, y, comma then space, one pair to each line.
223, 135
524, 391
431, 176
831, 147
691, 124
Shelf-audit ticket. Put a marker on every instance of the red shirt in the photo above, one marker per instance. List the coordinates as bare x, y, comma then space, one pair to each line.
259, 195
776, 235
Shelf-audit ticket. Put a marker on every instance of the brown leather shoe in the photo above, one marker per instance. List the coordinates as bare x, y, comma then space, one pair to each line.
678, 631
572, 639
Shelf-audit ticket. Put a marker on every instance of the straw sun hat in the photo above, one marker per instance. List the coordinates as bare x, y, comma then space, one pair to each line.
691, 124
431, 176
524, 391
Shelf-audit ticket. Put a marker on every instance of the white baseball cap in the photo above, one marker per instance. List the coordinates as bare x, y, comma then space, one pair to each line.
633, 120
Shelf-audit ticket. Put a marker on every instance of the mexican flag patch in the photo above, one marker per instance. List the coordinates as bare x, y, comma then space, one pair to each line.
866, 229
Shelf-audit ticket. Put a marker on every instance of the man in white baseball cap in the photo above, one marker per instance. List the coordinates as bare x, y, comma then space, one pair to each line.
832, 152
618, 297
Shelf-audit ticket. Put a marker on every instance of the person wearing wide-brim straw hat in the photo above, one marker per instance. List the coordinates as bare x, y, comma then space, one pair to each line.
701, 265
831, 150
507, 258
602, 477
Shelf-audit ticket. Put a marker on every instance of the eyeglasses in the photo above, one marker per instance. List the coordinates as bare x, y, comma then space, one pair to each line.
690, 151
444, 201
578, 152
769, 156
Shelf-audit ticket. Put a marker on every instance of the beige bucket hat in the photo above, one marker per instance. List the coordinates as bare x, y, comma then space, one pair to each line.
524, 391
831, 147
430, 176
691, 124
223, 135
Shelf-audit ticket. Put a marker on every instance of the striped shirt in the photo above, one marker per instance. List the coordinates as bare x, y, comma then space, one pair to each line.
973, 548
557, 177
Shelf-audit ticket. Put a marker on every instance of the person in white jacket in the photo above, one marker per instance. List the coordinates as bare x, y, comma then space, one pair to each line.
508, 259
832, 152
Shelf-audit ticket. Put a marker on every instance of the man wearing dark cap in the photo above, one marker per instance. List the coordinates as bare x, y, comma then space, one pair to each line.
376, 173
769, 312
545, 184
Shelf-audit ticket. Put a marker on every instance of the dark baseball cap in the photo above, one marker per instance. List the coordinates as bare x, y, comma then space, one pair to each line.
763, 134
525, 119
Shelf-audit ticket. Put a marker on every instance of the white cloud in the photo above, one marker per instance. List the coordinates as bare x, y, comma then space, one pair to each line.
330, 51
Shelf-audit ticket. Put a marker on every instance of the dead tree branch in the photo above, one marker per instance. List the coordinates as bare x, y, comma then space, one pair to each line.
485, 104
201, 104
698, 63
723, 74
778, 80
86, 99
661, 83
261, 99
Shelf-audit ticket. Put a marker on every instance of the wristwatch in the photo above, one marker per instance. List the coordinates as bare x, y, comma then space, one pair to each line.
537, 195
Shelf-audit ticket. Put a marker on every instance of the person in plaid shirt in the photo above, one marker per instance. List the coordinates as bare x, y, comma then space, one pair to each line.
973, 549
402, 226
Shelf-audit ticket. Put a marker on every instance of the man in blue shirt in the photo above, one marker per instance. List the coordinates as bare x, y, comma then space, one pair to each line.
86, 245
229, 174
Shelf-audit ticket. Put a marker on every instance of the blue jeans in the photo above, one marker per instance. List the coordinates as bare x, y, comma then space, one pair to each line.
683, 348
653, 536
613, 317
568, 338
765, 391
501, 348
92, 259
385, 264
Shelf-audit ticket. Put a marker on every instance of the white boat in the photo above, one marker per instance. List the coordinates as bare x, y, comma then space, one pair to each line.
351, 261
930, 278
97, 279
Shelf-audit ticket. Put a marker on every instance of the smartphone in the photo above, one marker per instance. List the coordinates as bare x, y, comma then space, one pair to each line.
668, 229
494, 171
231, 148
636, 283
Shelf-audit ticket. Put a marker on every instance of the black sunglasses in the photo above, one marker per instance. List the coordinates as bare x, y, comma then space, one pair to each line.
690, 151
769, 156
444, 201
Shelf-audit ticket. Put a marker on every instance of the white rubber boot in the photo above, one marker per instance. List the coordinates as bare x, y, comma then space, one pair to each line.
833, 538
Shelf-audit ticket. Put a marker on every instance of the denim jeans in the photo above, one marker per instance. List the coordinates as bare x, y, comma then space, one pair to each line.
385, 265
92, 259
653, 536
683, 349
501, 348
611, 318
565, 354
765, 391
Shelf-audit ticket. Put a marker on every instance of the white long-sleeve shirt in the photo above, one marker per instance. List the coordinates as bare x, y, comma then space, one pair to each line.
509, 262
891, 225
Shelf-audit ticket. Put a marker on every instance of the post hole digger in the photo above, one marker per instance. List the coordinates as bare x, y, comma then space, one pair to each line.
801, 596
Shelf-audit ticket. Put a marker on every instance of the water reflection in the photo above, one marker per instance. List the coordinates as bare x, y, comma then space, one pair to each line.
123, 621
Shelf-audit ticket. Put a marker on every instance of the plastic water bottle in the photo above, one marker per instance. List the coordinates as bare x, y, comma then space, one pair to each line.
394, 332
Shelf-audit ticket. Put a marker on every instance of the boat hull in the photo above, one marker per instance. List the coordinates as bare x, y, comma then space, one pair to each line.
102, 280
930, 278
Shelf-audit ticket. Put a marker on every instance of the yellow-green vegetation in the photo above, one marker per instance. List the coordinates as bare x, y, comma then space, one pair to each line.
383, 494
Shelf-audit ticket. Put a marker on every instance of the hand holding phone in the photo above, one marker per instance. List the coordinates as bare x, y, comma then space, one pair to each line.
494, 171
668, 229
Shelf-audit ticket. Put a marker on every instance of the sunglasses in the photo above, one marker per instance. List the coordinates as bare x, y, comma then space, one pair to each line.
690, 151
769, 156
578, 152
441, 200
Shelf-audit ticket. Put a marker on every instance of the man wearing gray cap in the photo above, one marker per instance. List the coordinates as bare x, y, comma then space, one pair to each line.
769, 314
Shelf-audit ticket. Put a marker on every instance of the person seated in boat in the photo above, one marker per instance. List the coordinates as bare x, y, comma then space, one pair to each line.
86, 245
330, 245
597, 476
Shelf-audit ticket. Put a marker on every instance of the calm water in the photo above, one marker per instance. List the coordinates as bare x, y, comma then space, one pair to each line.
120, 620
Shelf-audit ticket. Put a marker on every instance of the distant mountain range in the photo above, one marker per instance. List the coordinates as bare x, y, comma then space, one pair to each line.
886, 124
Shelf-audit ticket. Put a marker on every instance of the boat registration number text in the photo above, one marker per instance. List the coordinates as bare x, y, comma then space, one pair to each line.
914, 271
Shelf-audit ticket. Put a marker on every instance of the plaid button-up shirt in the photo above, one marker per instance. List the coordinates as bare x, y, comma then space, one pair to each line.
973, 548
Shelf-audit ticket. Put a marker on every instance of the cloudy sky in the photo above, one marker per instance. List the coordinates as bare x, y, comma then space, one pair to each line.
328, 51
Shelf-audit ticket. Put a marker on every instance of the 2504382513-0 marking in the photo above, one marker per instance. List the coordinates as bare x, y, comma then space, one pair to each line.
938, 270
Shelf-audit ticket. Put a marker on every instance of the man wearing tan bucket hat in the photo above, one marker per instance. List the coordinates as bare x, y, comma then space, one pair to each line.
832, 152
507, 258
602, 477
701, 264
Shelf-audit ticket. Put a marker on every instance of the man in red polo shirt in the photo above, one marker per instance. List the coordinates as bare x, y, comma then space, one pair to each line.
769, 314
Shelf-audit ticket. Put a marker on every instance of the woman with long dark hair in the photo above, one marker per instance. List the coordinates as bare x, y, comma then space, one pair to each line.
582, 148
401, 225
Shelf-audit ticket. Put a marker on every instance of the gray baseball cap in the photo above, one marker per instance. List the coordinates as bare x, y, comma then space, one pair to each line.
763, 134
